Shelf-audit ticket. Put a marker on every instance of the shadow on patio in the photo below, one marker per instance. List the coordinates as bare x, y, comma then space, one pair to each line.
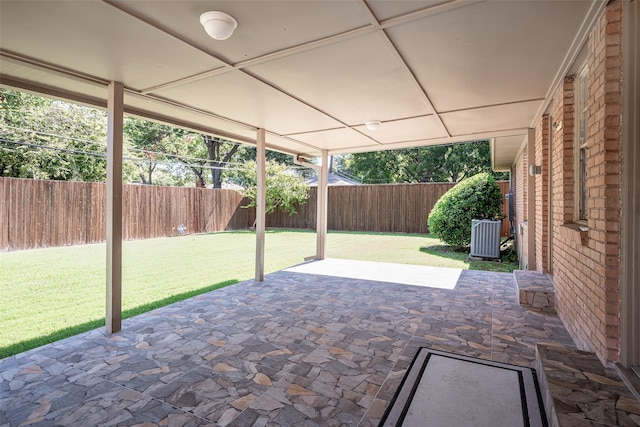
298, 349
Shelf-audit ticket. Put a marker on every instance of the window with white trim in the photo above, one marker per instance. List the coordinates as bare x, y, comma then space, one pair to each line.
581, 97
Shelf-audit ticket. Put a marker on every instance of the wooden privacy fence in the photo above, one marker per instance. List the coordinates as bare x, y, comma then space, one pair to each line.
36, 213
393, 208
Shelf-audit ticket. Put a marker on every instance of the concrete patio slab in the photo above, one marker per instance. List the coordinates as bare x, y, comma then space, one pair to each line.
405, 274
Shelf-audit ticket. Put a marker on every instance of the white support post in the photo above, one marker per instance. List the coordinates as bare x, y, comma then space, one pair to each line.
322, 203
630, 232
261, 207
115, 108
531, 202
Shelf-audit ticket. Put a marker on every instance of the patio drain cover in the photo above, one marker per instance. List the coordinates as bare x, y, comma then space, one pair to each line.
444, 389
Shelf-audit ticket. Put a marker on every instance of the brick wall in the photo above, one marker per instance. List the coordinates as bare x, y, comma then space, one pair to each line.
586, 264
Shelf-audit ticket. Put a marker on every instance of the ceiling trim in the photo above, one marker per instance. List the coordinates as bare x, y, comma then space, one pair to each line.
40, 89
67, 72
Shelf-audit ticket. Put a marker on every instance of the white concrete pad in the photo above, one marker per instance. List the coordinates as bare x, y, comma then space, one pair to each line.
416, 275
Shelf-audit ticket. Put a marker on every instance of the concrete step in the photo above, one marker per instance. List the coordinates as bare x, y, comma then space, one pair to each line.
535, 290
578, 390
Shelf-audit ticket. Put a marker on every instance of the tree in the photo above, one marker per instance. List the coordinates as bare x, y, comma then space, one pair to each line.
285, 189
220, 153
440, 163
46, 139
173, 153
377, 167
160, 145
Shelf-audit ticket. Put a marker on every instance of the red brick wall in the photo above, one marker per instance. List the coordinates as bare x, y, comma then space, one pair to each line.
586, 265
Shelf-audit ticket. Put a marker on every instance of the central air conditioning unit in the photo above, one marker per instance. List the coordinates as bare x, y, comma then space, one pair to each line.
485, 238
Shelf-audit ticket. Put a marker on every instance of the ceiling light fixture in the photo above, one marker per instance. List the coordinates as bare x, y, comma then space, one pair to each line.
218, 25
373, 124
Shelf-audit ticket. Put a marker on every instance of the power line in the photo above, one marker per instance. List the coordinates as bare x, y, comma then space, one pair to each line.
55, 135
47, 147
181, 158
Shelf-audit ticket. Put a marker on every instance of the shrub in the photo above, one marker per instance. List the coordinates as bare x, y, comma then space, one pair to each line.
478, 197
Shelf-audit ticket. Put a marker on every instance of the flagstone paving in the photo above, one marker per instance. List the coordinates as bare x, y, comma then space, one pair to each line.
296, 350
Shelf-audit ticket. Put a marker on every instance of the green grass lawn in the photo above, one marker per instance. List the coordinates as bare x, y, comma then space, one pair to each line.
49, 294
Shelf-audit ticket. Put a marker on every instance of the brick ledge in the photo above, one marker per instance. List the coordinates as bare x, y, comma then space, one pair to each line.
573, 233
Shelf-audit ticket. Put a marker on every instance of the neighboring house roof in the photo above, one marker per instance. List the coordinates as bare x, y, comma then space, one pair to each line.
333, 179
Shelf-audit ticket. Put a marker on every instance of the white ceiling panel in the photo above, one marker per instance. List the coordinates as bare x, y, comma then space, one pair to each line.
488, 53
504, 150
291, 145
55, 81
244, 99
357, 80
384, 10
194, 119
264, 26
99, 40
335, 138
406, 130
490, 119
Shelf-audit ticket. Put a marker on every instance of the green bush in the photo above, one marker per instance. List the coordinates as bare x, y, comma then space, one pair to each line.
478, 197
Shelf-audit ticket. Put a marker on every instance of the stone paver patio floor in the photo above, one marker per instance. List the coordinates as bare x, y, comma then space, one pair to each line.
296, 350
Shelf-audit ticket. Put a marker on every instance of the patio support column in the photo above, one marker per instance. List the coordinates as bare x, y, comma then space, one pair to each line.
321, 214
531, 202
115, 109
630, 231
261, 207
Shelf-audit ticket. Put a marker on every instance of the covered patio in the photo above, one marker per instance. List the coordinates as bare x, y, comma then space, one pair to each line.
307, 79
297, 349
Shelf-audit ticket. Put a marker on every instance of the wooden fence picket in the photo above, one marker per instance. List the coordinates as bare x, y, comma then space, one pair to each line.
38, 213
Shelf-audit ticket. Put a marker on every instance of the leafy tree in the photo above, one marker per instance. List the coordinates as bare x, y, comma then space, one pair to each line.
285, 189
440, 163
47, 139
377, 167
478, 197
